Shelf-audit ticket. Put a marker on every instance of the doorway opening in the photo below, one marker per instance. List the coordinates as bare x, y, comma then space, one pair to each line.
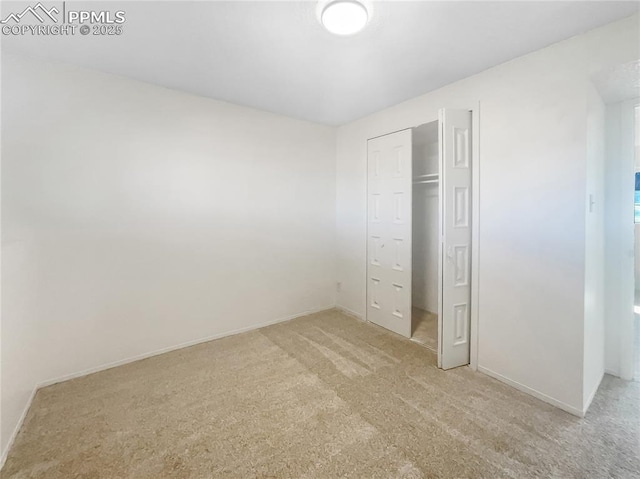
426, 267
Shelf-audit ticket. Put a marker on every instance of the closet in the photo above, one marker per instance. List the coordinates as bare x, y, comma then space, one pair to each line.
425, 235
419, 234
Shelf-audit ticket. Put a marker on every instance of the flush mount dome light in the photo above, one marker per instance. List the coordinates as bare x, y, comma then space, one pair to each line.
344, 17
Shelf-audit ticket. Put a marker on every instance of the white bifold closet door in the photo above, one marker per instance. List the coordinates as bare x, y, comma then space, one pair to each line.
455, 177
389, 209
389, 232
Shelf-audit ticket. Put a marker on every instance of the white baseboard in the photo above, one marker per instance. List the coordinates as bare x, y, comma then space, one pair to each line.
132, 359
533, 392
591, 396
122, 362
349, 312
14, 434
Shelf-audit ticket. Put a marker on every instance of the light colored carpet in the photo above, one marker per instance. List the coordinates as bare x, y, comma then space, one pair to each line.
323, 396
424, 327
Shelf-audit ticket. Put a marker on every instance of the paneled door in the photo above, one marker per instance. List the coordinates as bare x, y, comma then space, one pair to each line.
389, 165
454, 315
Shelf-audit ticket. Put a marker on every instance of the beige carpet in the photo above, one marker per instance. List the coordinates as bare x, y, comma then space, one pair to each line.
324, 396
424, 328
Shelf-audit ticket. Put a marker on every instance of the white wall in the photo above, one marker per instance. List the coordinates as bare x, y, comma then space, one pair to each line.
637, 258
532, 206
136, 218
424, 282
594, 329
619, 239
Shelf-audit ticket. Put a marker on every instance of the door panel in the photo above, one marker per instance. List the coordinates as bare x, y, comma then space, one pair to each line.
389, 164
454, 318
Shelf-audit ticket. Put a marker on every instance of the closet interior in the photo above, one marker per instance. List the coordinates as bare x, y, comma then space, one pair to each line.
426, 268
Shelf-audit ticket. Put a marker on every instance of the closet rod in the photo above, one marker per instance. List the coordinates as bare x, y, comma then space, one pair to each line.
425, 182
420, 177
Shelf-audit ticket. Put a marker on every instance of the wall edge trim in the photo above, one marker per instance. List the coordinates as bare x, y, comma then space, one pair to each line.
532, 392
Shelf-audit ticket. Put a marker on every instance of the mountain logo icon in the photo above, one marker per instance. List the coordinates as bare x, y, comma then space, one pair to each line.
38, 11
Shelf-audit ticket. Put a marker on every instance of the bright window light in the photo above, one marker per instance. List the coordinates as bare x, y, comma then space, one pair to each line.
344, 17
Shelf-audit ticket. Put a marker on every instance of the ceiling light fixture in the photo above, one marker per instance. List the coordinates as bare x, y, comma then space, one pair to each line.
344, 17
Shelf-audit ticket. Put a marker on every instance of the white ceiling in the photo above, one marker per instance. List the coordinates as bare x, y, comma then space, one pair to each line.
275, 56
618, 83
